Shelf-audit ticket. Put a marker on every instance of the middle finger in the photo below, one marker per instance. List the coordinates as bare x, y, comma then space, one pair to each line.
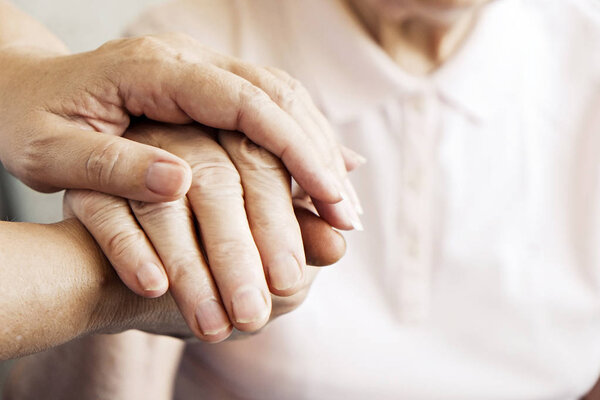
267, 193
217, 199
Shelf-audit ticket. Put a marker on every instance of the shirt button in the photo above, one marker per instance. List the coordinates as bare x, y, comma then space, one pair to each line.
417, 103
413, 179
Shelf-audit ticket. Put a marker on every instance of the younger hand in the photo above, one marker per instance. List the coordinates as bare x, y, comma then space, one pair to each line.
54, 108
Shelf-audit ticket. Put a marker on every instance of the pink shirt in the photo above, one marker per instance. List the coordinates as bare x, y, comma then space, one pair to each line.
478, 273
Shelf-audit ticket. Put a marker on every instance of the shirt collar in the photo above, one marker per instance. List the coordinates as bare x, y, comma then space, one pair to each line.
335, 49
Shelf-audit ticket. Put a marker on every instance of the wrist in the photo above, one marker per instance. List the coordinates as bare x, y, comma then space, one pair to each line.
115, 308
21, 74
104, 289
118, 309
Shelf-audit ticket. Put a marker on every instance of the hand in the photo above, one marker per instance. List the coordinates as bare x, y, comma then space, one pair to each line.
241, 198
52, 106
323, 246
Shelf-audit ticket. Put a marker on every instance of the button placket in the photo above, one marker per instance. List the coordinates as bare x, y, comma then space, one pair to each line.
414, 230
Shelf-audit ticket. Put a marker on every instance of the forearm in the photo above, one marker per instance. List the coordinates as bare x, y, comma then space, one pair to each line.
131, 365
56, 285
19, 29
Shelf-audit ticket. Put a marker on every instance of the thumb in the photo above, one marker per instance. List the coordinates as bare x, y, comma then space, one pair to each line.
80, 159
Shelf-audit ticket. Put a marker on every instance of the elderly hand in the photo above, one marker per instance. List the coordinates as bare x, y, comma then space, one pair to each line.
323, 246
54, 105
240, 198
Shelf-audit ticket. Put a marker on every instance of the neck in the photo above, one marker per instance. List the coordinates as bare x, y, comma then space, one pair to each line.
417, 43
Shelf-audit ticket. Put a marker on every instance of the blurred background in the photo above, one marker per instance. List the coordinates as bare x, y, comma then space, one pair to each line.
82, 25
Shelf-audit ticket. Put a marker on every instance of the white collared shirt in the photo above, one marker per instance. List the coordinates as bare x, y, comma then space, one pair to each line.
478, 273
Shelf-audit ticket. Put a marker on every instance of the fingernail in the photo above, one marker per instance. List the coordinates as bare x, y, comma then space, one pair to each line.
165, 179
351, 213
284, 272
249, 305
151, 278
358, 158
353, 196
211, 318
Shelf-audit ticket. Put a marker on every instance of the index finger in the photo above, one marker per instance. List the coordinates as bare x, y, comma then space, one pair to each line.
192, 79
237, 105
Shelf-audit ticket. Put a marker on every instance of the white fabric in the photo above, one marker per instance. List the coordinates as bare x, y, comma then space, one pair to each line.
478, 273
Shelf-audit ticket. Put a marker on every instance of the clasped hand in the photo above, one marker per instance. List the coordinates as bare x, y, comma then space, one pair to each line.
223, 248
62, 119
54, 104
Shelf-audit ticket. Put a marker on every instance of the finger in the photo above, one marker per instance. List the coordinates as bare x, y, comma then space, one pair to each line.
170, 227
350, 208
338, 214
111, 223
109, 164
217, 201
268, 200
296, 100
221, 99
292, 97
323, 245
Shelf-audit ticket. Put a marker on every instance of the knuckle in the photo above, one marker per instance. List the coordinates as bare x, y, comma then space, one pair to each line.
102, 162
147, 43
287, 98
297, 87
154, 211
184, 263
87, 204
98, 211
251, 93
249, 156
223, 251
114, 44
121, 243
292, 83
175, 47
141, 49
227, 246
217, 177
252, 100
134, 47
253, 96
